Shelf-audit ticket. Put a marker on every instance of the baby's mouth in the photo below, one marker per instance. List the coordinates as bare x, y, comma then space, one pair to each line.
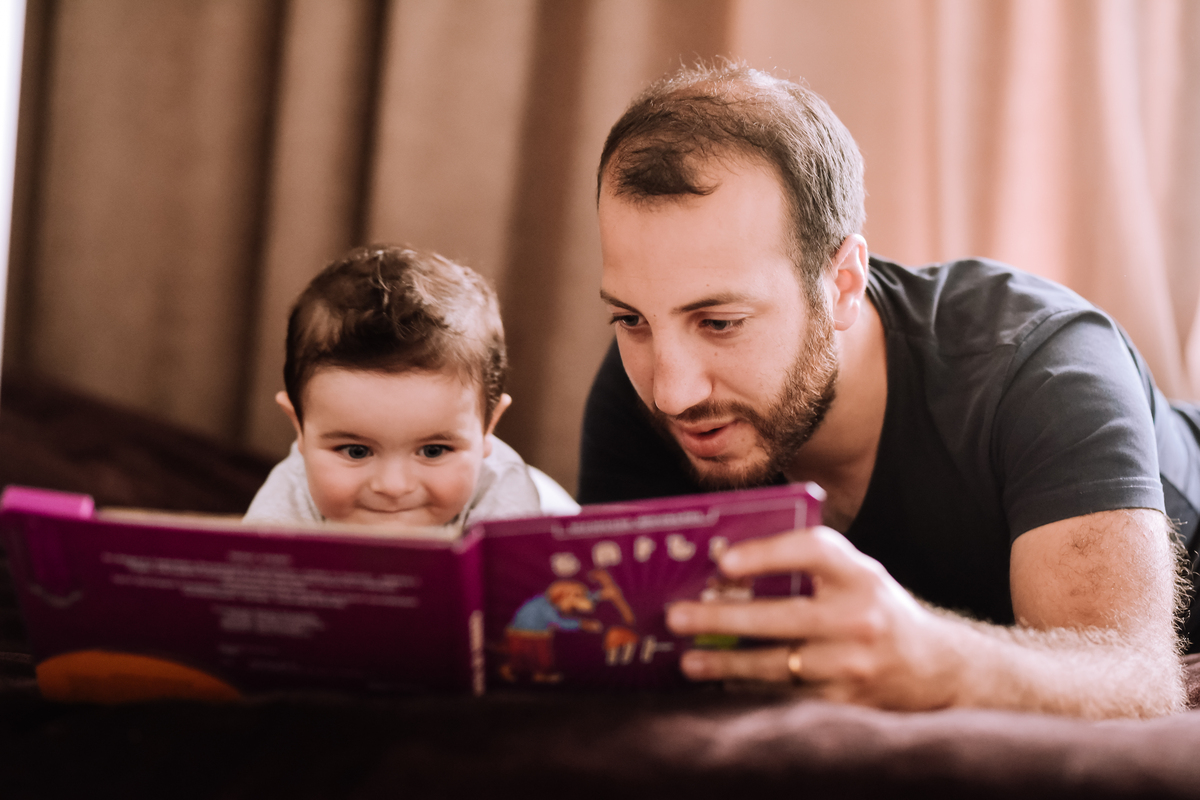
391, 512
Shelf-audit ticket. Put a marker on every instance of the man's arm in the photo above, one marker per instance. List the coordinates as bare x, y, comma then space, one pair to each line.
1094, 596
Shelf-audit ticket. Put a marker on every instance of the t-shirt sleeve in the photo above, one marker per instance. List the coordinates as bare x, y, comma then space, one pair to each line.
622, 455
1073, 432
284, 497
505, 489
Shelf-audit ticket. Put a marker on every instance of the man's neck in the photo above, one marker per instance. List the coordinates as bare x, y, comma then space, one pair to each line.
840, 456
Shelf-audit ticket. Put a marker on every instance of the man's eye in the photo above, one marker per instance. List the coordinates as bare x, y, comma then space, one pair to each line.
722, 325
356, 451
434, 450
626, 320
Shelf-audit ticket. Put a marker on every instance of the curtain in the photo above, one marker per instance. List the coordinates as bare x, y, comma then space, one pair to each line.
185, 167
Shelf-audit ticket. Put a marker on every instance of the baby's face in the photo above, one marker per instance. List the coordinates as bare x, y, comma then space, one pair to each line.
382, 448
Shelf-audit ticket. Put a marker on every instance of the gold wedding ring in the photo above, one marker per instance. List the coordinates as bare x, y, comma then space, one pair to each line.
794, 664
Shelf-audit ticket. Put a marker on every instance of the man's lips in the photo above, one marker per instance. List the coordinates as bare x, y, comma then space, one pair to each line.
706, 439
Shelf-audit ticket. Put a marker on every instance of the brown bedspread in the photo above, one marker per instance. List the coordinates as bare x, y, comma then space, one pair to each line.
59, 439
699, 743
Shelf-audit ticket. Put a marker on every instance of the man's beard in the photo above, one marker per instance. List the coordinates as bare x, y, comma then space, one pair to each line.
784, 427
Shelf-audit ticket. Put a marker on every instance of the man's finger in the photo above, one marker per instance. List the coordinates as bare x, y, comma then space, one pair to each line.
759, 664
816, 665
818, 551
766, 618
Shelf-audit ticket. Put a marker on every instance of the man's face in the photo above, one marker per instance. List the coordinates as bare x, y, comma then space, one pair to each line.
713, 326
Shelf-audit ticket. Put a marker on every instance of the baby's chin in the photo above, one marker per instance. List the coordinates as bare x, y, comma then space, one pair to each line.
423, 517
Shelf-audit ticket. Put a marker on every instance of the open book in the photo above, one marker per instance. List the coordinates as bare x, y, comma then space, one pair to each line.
122, 605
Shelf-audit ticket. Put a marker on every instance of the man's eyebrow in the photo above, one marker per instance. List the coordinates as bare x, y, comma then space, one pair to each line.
612, 301
724, 298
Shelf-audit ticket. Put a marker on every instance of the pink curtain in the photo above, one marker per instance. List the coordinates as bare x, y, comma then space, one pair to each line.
1062, 137
184, 169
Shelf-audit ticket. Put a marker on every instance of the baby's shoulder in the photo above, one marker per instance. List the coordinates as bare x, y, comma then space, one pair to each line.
522, 489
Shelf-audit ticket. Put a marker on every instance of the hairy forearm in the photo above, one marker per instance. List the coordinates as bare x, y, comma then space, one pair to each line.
1092, 673
1095, 599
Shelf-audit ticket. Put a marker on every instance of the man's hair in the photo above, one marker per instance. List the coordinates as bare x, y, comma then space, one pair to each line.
659, 147
394, 309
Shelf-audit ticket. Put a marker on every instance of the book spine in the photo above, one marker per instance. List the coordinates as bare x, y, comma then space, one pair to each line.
469, 564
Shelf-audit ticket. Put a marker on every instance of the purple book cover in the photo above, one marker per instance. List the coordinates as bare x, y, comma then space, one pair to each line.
119, 607
580, 601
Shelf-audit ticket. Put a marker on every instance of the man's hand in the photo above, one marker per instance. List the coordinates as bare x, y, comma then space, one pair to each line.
861, 637
1093, 596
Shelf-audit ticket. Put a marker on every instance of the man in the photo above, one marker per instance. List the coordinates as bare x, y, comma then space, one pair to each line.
988, 441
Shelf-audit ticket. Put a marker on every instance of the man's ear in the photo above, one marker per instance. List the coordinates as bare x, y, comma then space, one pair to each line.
501, 406
285, 403
848, 271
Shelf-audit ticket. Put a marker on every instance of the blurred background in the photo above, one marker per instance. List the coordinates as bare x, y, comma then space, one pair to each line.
184, 167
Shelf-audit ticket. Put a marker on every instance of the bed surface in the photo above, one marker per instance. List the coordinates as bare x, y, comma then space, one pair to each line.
703, 742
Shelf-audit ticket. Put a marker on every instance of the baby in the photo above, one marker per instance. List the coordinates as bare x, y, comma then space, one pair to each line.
395, 381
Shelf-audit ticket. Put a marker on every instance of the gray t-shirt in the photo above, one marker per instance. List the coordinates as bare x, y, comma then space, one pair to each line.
1012, 403
507, 488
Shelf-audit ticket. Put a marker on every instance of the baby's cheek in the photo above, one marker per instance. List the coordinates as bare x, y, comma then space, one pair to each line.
332, 495
459, 490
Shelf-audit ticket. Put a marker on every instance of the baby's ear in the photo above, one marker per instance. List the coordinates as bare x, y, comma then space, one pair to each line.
285, 403
501, 406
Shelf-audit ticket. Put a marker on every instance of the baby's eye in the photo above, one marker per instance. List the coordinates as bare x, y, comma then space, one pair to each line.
434, 450
355, 451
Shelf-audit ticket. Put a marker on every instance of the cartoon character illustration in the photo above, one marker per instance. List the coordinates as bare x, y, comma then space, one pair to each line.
530, 635
620, 642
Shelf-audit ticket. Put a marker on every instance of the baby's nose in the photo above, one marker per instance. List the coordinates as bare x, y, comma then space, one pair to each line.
392, 477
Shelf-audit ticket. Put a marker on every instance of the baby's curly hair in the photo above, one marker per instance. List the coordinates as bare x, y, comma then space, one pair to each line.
393, 309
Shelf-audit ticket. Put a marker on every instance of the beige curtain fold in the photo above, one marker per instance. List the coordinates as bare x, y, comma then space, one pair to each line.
136, 285
318, 181
186, 167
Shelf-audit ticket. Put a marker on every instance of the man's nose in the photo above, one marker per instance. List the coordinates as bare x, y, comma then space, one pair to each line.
681, 378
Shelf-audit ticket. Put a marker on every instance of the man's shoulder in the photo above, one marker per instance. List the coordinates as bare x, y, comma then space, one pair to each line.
970, 305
